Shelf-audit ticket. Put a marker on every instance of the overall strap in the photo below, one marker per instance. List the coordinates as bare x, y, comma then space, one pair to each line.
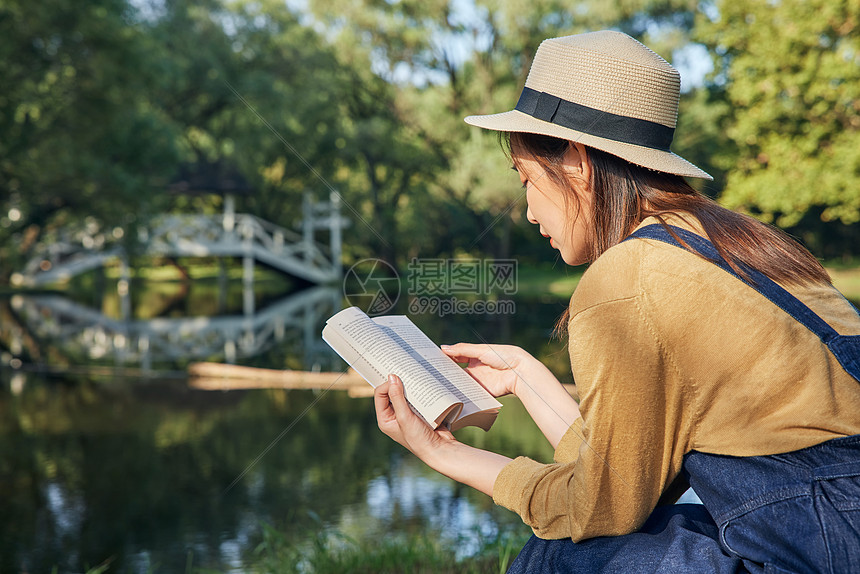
845, 348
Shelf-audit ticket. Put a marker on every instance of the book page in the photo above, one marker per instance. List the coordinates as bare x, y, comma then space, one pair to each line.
430, 356
372, 345
352, 356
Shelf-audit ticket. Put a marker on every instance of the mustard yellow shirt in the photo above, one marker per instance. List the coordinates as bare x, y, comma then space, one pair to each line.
671, 354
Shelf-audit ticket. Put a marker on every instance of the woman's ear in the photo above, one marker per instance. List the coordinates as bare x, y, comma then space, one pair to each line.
577, 162
585, 161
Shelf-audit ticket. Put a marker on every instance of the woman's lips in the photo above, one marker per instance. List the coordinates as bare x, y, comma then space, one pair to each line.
550, 238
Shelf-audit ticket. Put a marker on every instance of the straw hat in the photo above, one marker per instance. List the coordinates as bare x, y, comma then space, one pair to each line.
604, 90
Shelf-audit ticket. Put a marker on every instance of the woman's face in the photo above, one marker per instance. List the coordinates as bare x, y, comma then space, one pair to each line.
565, 223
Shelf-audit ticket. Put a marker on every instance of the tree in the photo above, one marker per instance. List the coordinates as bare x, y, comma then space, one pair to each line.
445, 60
789, 69
79, 142
246, 82
106, 101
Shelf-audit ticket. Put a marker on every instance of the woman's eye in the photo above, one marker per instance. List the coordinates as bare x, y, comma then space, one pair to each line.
526, 184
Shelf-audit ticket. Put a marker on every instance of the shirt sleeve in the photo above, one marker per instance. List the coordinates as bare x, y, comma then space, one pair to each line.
630, 440
567, 449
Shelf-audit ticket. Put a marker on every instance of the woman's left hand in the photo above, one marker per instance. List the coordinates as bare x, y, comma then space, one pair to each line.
396, 419
437, 448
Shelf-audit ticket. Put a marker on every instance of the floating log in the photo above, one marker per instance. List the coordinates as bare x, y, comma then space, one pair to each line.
221, 377
226, 384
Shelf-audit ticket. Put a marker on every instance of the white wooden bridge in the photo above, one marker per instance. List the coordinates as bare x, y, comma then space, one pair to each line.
229, 234
85, 333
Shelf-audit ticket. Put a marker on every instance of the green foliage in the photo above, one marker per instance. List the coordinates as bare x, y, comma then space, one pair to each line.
106, 102
789, 71
328, 551
442, 64
78, 139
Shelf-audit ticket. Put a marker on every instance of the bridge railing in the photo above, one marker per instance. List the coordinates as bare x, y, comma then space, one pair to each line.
223, 235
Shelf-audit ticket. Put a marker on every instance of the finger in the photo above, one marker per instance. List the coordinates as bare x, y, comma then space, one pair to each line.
380, 397
397, 396
462, 352
462, 348
385, 414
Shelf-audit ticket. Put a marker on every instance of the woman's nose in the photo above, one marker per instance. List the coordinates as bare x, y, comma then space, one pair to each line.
530, 217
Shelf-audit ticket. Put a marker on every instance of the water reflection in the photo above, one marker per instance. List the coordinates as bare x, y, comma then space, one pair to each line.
137, 474
134, 471
81, 332
405, 494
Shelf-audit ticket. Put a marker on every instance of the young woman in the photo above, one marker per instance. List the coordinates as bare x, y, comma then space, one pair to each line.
708, 350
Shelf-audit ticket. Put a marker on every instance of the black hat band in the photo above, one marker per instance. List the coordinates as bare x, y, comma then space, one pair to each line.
599, 123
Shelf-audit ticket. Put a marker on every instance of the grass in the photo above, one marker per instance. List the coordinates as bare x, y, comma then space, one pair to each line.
847, 280
334, 552
206, 269
331, 552
560, 283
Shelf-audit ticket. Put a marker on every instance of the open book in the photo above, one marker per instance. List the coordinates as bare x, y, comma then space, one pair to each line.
438, 389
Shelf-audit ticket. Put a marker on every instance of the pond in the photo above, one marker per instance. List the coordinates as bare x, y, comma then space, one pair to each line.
107, 453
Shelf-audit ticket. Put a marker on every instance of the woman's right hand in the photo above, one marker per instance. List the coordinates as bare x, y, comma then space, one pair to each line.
506, 369
498, 368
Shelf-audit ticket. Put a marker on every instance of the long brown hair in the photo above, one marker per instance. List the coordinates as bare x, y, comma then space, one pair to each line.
625, 194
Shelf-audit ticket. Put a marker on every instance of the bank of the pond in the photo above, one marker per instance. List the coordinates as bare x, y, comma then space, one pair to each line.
328, 552
334, 553
846, 278
555, 280
561, 282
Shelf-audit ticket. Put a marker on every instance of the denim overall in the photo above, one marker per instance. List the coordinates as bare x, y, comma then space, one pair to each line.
794, 512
